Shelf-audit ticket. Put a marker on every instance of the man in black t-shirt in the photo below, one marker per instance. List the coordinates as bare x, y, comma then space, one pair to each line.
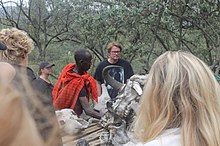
120, 74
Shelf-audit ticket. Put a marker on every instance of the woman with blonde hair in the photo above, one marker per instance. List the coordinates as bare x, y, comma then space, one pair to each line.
18, 43
22, 112
17, 126
180, 105
33, 109
19, 46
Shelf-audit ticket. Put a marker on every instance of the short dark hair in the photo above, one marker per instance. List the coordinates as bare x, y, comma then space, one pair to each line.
82, 54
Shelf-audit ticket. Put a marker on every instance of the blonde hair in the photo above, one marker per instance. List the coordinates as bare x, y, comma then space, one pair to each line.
111, 44
181, 92
21, 115
18, 45
17, 126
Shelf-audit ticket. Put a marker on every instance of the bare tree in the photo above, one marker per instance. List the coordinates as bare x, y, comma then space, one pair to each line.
44, 22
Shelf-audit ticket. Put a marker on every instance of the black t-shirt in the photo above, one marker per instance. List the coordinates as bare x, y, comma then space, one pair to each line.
120, 74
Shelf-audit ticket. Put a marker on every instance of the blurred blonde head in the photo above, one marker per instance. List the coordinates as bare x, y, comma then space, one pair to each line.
7, 73
18, 122
18, 43
17, 125
181, 92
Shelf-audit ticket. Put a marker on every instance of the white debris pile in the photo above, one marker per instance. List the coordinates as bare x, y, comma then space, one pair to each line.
121, 112
69, 122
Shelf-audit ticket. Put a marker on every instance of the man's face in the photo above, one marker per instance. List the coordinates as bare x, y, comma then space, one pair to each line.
47, 71
86, 64
115, 53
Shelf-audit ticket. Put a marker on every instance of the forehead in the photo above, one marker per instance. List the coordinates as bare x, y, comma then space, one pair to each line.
115, 48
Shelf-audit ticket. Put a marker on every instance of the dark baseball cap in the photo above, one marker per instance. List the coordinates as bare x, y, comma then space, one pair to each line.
45, 65
3, 46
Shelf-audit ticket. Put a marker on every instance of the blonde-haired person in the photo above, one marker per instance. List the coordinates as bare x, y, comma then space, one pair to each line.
18, 126
19, 45
180, 105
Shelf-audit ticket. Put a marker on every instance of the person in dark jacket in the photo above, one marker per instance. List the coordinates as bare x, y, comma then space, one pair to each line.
43, 84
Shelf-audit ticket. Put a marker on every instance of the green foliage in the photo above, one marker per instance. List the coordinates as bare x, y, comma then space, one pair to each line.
145, 28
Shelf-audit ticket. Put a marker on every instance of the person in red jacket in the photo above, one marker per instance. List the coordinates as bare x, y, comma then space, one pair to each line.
75, 85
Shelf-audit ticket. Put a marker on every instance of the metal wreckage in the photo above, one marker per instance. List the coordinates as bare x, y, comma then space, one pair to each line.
121, 111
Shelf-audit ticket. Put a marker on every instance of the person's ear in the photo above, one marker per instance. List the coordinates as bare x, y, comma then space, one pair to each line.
81, 61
